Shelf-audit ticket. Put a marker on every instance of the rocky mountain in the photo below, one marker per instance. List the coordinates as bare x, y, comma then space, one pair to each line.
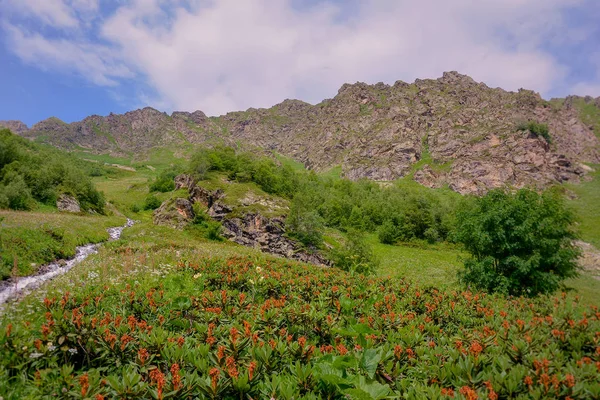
447, 131
17, 127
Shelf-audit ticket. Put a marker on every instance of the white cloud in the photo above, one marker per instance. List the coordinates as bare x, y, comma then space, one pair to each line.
55, 13
224, 55
94, 62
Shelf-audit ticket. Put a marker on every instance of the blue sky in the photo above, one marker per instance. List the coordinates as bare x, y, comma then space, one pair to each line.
74, 58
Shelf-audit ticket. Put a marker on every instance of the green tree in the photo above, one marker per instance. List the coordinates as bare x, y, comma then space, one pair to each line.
355, 255
304, 224
520, 244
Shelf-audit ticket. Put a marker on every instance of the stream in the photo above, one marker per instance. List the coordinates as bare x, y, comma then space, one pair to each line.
16, 287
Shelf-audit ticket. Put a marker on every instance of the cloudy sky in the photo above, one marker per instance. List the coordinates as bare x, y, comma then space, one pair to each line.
73, 58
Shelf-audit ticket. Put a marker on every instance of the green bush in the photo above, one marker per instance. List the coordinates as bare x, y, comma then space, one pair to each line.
151, 203
387, 233
165, 182
536, 128
355, 255
520, 244
304, 224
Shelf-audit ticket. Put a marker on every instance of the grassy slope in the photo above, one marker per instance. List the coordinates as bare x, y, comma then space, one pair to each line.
29, 238
587, 206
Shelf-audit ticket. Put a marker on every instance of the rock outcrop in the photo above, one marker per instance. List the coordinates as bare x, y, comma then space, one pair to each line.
68, 203
17, 127
251, 229
268, 235
176, 213
460, 132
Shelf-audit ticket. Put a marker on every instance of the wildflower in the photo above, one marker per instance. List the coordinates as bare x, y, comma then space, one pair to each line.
528, 381
569, 380
99, 397
258, 269
448, 392
469, 393
251, 369
143, 355
73, 351
159, 378
196, 276
84, 381
214, 378
176, 378
35, 355
231, 367
251, 281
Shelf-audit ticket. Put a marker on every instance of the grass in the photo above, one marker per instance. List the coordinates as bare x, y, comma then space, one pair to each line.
435, 265
31, 239
587, 206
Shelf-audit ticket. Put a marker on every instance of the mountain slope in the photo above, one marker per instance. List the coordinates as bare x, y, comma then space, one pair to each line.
450, 130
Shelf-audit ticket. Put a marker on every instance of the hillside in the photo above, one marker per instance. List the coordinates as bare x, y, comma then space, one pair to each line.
448, 131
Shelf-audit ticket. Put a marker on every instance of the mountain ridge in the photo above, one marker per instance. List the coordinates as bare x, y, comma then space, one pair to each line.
448, 131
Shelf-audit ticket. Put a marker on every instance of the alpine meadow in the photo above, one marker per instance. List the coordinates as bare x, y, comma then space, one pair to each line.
438, 239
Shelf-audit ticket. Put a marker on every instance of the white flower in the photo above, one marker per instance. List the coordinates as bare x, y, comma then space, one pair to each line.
251, 281
197, 276
258, 269
262, 278
73, 351
35, 355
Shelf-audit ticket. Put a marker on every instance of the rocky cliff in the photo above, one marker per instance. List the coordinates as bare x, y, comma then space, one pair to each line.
448, 131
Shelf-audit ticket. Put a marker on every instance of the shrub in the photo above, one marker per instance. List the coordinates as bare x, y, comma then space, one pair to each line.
304, 224
387, 233
520, 244
165, 182
151, 203
536, 128
355, 255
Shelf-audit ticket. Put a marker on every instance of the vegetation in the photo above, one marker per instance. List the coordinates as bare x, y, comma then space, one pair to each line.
263, 328
31, 175
29, 240
407, 210
521, 244
538, 129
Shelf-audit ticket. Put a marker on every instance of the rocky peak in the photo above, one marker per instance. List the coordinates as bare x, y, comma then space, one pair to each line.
17, 127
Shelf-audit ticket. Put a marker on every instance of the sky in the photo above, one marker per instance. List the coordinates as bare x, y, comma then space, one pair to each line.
74, 58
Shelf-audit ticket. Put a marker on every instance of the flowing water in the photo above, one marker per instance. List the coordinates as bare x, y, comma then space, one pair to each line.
16, 287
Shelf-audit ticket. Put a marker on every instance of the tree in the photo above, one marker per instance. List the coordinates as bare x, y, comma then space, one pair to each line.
355, 255
520, 244
304, 224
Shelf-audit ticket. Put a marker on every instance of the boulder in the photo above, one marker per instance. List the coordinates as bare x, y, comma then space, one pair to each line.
175, 213
68, 204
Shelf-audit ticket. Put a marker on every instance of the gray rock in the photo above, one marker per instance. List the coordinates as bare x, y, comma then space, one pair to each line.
68, 204
176, 213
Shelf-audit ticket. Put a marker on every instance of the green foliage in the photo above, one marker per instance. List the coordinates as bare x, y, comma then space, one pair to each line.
31, 174
241, 327
355, 255
304, 224
521, 244
165, 182
33, 239
202, 225
151, 203
538, 129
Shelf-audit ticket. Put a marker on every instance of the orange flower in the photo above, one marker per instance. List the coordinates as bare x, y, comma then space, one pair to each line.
158, 378
175, 377
448, 392
569, 380
84, 382
214, 378
469, 393
528, 381
251, 369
